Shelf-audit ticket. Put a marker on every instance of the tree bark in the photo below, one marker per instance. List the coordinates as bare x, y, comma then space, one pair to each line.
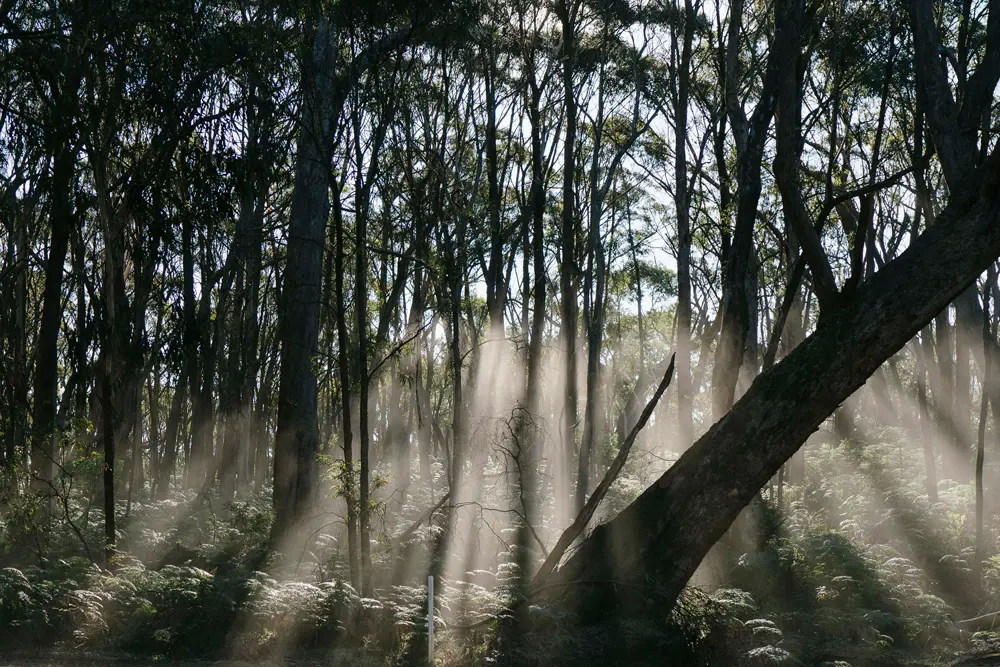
496, 285
297, 437
16, 438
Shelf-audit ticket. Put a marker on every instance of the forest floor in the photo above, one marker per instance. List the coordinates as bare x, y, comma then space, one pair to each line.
69, 658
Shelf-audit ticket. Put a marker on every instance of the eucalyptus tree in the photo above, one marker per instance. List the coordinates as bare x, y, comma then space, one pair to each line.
671, 526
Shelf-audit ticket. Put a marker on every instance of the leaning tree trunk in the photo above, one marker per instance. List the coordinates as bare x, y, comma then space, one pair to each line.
669, 529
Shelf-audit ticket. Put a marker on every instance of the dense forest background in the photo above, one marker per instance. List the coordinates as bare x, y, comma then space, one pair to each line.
302, 302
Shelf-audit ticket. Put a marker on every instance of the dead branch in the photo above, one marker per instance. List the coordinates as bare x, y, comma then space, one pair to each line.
426, 516
587, 513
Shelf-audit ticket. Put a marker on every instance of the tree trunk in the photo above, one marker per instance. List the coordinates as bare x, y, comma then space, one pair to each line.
566, 11
346, 382
528, 440
108, 434
496, 285
191, 334
980, 554
297, 438
673, 524
16, 438
751, 136
685, 415
362, 383
46, 380
926, 433
169, 458
593, 307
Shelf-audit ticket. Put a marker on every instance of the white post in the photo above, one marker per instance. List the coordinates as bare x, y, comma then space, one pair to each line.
430, 619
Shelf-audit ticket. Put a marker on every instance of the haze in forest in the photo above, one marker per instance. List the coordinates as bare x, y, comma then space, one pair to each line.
650, 331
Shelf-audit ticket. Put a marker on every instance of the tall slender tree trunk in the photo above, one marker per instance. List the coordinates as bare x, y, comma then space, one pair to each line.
46, 379
567, 11
16, 438
113, 408
346, 382
965, 339
170, 440
980, 554
751, 136
135, 479
297, 438
926, 432
153, 392
593, 307
534, 381
685, 415
191, 333
362, 381
496, 285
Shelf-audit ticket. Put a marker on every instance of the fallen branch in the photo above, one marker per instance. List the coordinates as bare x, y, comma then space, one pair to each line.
587, 513
980, 623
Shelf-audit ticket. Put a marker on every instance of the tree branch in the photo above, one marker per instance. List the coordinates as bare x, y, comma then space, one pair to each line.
587, 513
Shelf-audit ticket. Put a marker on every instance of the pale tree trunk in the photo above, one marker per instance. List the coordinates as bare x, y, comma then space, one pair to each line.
926, 428
980, 554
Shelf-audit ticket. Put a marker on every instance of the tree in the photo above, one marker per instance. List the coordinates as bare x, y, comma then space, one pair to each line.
670, 527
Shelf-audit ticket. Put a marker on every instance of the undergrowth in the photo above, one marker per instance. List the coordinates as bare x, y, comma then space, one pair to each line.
854, 568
